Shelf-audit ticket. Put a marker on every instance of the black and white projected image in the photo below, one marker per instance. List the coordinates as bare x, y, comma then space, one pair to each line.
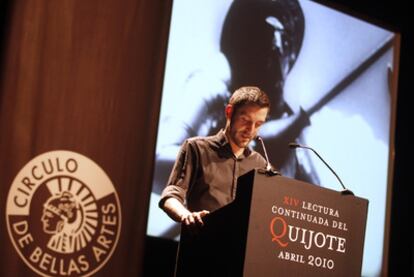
327, 75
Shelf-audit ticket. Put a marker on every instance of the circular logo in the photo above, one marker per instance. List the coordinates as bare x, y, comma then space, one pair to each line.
63, 215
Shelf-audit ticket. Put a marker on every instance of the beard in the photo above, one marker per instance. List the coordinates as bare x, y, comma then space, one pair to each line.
239, 137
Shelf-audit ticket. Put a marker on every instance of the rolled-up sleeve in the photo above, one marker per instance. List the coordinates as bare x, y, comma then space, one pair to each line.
181, 175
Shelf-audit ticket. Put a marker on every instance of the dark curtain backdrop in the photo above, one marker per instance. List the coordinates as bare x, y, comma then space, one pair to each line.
84, 76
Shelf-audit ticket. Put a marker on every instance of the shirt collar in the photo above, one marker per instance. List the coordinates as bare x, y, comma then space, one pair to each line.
222, 145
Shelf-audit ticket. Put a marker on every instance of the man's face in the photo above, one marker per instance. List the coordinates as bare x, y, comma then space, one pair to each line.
245, 124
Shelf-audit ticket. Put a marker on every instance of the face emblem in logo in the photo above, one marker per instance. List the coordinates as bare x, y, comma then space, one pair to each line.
63, 215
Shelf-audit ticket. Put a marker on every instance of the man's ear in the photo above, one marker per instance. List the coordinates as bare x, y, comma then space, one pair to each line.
228, 110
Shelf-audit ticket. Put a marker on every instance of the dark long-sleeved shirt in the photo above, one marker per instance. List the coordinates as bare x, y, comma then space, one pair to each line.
204, 176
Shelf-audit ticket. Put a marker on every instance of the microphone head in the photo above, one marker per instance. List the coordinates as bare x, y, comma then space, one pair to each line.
258, 138
293, 145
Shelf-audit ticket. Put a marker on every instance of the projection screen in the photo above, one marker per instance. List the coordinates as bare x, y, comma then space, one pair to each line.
338, 70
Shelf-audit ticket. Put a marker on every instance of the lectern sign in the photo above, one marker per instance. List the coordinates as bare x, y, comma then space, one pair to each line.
285, 235
304, 229
63, 215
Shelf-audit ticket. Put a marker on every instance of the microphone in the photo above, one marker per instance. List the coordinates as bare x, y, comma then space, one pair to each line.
295, 145
268, 170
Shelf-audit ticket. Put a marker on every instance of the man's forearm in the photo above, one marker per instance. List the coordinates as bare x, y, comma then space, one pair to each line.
175, 209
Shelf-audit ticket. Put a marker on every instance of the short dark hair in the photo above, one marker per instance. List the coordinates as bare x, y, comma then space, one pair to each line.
249, 95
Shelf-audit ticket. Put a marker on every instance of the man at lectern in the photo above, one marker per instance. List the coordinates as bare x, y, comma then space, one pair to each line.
205, 173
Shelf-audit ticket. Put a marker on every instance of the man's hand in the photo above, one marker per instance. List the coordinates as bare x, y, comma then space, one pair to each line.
194, 218
193, 221
176, 210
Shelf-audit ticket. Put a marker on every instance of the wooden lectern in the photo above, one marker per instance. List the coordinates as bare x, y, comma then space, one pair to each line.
278, 226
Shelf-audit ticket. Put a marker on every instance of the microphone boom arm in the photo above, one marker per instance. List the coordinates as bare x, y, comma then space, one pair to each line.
296, 145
